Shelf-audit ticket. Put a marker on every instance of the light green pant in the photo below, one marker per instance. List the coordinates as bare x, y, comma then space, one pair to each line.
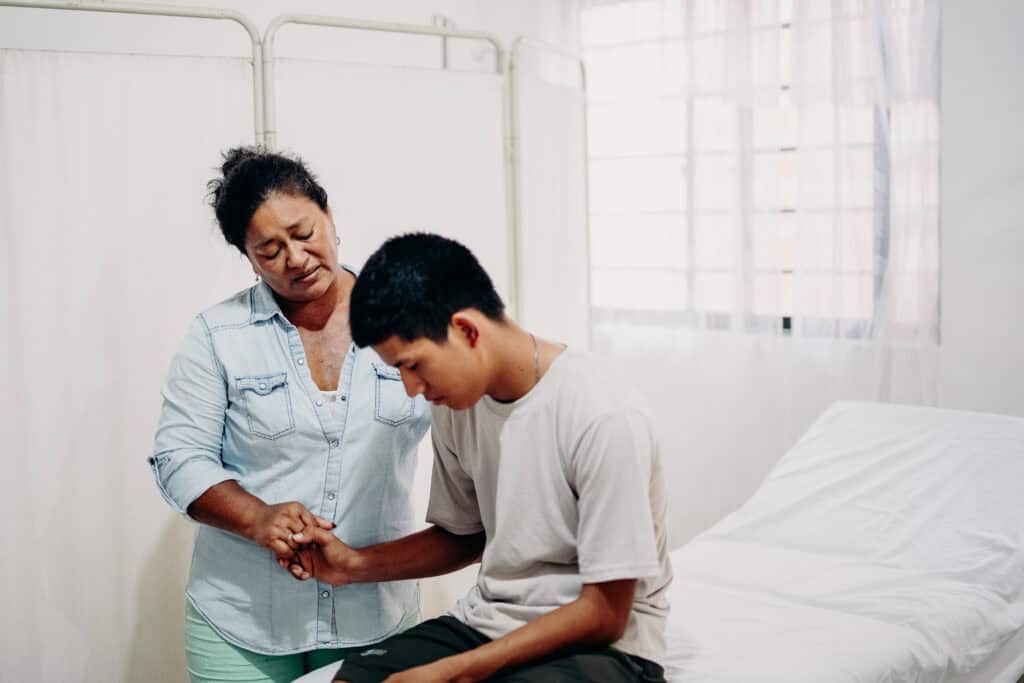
212, 659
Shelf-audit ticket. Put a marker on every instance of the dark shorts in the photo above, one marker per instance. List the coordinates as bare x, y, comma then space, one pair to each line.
446, 636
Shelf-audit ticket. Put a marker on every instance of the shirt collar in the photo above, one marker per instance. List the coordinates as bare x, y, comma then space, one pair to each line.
263, 304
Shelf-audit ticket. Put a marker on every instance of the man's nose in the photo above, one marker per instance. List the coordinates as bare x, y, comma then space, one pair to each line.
413, 384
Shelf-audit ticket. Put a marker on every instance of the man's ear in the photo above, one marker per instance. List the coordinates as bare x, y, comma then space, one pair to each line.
466, 327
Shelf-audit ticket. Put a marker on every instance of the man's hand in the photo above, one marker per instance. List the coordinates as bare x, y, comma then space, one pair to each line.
272, 526
442, 671
320, 554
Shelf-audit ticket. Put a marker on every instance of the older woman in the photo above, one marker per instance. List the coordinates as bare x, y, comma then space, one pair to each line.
272, 419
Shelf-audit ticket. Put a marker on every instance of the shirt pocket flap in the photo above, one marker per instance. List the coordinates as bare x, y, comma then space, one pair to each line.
386, 371
262, 384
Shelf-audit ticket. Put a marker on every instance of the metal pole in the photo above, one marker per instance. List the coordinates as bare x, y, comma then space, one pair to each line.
177, 11
511, 149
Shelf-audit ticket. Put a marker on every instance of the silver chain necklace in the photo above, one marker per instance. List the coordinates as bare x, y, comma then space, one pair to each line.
536, 359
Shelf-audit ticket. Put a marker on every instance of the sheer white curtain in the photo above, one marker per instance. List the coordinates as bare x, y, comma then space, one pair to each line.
109, 250
764, 211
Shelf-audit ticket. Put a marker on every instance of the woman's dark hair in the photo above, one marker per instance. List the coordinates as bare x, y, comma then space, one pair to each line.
248, 176
412, 285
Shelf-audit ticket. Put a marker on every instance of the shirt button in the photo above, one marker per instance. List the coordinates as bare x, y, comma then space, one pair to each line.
262, 385
334, 443
319, 402
330, 496
343, 397
325, 594
302, 361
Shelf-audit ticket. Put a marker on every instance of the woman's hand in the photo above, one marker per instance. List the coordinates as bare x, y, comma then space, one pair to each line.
272, 526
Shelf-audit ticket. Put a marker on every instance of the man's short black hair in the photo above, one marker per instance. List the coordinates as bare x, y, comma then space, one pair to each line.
411, 286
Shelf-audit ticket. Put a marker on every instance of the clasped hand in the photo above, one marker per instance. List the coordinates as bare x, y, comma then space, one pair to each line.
273, 526
318, 553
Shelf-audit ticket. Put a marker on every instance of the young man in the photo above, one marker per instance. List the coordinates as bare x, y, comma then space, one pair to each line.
544, 470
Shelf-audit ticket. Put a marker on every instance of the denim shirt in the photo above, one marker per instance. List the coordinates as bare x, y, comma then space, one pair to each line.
240, 403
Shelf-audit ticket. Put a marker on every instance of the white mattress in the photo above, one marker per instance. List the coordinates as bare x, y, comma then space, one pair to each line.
886, 546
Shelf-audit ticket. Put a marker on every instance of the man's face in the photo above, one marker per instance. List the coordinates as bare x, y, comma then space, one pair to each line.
448, 373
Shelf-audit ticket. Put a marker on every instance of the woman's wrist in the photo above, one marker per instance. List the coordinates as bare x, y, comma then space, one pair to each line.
251, 512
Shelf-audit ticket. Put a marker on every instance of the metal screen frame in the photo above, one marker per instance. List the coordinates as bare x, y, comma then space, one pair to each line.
183, 12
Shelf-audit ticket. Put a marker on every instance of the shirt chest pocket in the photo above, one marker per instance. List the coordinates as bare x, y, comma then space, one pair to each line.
267, 404
392, 405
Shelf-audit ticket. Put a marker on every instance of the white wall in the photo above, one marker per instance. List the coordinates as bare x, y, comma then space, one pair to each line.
982, 353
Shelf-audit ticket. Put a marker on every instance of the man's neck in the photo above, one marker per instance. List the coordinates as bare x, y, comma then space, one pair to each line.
520, 362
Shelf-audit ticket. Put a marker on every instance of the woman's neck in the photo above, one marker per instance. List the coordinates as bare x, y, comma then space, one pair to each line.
314, 315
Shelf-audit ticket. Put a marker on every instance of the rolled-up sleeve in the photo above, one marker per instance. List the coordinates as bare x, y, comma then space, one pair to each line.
186, 458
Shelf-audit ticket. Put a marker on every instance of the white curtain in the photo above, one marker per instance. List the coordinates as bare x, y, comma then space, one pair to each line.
109, 250
764, 211
401, 149
550, 166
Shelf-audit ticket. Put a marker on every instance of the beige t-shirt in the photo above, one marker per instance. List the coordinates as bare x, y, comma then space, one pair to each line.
566, 482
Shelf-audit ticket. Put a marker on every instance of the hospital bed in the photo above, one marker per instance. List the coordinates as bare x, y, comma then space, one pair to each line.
887, 546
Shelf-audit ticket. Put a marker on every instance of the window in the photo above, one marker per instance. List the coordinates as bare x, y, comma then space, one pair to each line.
737, 181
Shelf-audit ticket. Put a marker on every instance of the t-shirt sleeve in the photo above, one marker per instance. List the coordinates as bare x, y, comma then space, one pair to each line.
453, 505
611, 467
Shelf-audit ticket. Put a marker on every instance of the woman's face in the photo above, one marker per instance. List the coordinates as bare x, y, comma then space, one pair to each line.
292, 245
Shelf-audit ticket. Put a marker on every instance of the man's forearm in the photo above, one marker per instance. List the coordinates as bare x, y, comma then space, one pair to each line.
596, 619
431, 552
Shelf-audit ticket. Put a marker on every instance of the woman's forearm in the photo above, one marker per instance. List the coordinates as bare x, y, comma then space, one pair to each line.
229, 507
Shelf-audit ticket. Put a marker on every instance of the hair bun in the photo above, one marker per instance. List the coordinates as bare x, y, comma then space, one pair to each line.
233, 158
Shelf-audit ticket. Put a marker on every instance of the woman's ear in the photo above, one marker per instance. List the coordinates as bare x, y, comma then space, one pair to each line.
466, 327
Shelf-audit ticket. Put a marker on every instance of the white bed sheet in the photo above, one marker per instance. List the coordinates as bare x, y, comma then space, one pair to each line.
886, 546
